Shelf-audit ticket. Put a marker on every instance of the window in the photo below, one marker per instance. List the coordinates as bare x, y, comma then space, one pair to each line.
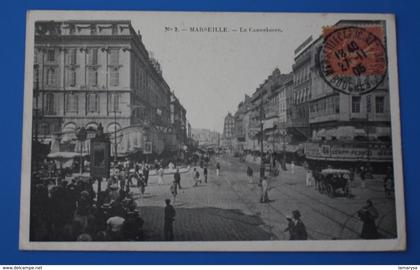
369, 103
337, 104
49, 104
51, 77
93, 56
113, 103
114, 57
71, 56
72, 103
380, 104
92, 77
114, 77
92, 103
355, 104
51, 55
71, 78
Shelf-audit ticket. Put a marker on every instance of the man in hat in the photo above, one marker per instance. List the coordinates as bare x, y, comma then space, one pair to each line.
264, 191
296, 227
177, 178
368, 214
169, 220
205, 173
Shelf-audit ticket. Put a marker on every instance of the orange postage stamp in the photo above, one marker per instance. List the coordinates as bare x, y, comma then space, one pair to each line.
353, 59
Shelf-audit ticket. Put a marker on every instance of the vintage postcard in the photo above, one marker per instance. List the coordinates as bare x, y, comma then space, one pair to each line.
200, 131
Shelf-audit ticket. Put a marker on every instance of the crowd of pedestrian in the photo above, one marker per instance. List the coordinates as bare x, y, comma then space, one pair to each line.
72, 211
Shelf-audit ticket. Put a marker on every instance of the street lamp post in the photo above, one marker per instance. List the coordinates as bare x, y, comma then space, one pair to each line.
81, 136
262, 169
115, 138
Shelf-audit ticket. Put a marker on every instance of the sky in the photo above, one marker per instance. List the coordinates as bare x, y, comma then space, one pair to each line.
210, 73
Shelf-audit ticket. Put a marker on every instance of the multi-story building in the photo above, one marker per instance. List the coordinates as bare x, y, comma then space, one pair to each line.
345, 127
240, 131
178, 122
298, 125
266, 107
88, 73
228, 130
206, 137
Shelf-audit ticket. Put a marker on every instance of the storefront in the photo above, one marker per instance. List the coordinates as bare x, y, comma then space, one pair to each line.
349, 154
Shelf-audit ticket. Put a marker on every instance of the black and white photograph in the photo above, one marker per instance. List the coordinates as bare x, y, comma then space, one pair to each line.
201, 131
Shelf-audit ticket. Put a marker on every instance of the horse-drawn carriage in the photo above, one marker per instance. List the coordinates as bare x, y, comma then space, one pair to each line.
329, 181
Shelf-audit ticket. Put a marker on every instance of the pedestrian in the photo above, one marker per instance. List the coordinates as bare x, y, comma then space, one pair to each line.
389, 183
205, 173
114, 228
292, 167
217, 168
141, 184
367, 215
250, 174
308, 177
83, 209
121, 181
146, 169
177, 179
297, 228
363, 176
169, 219
196, 177
132, 228
174, 190
160, 176
264, 191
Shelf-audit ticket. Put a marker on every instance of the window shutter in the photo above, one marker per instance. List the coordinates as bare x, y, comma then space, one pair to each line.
93, 56
72, 77
76, 103
93, 77
115, 77
68, 79
116, 102
93, 103
73, 54
96, 103
51, 76
114, 58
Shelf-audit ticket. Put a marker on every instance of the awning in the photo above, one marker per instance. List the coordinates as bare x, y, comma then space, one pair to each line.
64, 155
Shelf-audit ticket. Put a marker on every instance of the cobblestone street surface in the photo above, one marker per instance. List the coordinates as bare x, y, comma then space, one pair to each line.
228, 207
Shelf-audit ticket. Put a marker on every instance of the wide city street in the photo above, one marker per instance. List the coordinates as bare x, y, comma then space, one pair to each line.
228, 206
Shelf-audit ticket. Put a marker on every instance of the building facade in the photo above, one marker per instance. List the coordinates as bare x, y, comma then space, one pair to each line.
347, 128
301, 94
205, 137
178, 122
228, 130
88, 73
262, 116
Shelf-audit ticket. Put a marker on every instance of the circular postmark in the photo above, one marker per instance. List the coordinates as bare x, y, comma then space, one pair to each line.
353, 60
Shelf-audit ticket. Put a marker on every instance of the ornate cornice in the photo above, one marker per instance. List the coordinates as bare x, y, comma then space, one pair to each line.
59, 39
